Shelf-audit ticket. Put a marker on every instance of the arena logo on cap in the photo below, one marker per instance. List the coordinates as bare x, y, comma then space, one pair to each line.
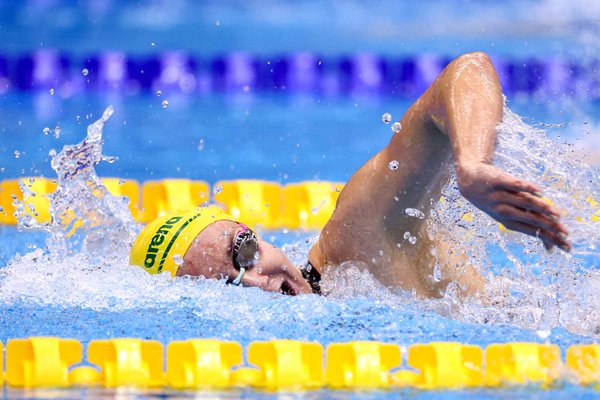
157, 240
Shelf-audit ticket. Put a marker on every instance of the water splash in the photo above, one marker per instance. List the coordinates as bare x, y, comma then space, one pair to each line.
86, 261
413, 212
393, 165
528, 286
85, 216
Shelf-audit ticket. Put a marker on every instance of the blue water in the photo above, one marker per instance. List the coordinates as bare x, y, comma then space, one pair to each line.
283, 138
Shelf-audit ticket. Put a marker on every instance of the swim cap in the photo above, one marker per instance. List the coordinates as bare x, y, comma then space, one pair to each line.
162, 239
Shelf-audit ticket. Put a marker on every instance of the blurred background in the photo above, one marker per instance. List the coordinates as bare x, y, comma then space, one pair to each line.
278, 90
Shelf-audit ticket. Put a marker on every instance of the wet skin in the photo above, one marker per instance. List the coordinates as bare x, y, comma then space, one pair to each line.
452, 124
210, 256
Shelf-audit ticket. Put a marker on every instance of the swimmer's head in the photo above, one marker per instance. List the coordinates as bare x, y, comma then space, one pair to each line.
210, 243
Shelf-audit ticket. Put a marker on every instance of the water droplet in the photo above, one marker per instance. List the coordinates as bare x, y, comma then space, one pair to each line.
393, 165
218, 23
46, 131
52, 153
165, 104
437, 273
396, 198
51, 91
152, 44
218, 189
2, 170
284, 267
201, 145
411, 239
1, 209
178, 259
110, 159
17, 154
159, 93
396, 127
121, 181
85, 72
413, 212
381, 253
56, 131
386, 118
543, 333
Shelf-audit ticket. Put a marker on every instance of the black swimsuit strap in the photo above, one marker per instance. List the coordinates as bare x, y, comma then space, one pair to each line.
312, 276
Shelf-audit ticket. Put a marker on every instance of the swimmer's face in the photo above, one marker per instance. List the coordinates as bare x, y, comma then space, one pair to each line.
210, 255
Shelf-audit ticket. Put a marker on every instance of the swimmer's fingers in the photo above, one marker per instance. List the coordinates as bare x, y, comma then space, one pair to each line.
514, 202
512, 184
532, 218
533, 210
548, 237
529, 202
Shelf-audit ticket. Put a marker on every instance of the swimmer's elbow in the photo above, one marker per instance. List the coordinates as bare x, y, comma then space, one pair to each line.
470, 72
479, 57
473, 65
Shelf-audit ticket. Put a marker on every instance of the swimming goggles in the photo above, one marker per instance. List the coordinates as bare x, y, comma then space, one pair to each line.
245, 256
245, 252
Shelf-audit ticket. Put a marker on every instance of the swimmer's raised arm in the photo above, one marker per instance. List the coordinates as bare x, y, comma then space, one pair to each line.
467, 106
454, 121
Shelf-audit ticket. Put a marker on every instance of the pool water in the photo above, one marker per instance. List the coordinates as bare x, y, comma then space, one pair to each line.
291, 137
76, 295
221, 137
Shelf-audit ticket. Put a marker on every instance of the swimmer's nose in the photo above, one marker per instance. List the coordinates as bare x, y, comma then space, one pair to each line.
274, 272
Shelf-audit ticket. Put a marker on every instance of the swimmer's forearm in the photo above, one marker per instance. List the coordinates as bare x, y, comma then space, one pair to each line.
468, 107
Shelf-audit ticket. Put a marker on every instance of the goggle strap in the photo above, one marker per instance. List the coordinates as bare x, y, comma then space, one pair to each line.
312, 276
238, 280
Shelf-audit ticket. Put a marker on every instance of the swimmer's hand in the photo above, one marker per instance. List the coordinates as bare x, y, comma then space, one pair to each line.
515, 203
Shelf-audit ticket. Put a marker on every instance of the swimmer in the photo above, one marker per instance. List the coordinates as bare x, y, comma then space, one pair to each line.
453, 123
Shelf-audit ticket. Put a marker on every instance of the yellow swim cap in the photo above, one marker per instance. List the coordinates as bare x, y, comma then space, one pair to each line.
171, 235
